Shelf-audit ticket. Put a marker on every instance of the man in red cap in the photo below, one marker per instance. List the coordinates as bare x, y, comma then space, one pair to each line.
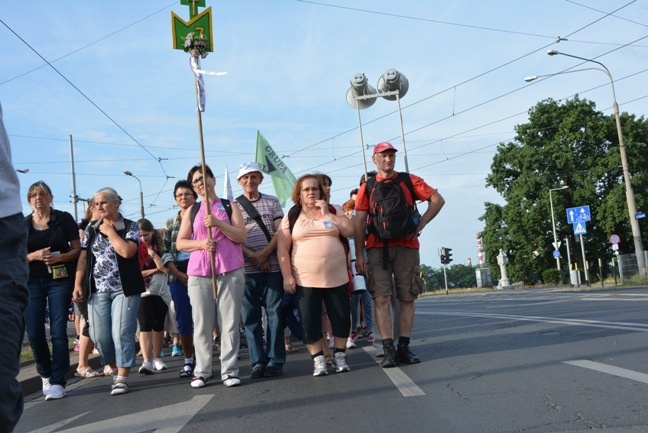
392, 262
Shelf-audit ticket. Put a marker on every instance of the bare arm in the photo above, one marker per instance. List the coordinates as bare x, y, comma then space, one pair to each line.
360, 227
284, 242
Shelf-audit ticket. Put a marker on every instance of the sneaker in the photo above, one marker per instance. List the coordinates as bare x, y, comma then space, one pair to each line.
406, 356
176, 351
159, 364
341, 365
232, 381
198, 382
389, 360
257, 372
56, 392
46, 385
187, 370
273, 371
320, 366
77, 344
146, 368
350, 344
119, 386
370, 337
162, 353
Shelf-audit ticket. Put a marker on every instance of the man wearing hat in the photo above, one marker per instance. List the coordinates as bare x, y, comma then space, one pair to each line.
393, 272
263, 281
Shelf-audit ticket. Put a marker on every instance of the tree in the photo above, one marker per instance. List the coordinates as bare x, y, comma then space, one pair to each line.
568, 144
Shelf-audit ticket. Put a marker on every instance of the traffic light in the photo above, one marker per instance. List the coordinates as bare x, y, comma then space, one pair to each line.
446, 255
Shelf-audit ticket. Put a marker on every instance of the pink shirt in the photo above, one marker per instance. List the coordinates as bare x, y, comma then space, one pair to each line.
317, 258
228, 254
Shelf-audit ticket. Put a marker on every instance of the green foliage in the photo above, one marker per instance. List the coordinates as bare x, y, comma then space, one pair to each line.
568, 144
459, 276
551, 276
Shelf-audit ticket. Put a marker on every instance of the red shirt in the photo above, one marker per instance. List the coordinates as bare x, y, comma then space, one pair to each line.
423, 192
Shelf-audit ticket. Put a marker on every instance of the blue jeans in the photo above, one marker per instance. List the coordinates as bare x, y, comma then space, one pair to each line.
367, 308
57, 295
13, 300
113, 323
264, 290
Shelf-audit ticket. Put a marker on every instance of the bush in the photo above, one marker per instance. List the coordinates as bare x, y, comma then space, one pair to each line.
551, 276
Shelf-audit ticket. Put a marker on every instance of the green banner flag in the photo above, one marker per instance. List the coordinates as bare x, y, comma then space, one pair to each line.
272, 164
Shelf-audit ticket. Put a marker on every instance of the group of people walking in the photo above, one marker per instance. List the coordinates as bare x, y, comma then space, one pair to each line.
222, 263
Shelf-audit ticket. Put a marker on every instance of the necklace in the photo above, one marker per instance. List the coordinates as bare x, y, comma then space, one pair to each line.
309, 217
40, 222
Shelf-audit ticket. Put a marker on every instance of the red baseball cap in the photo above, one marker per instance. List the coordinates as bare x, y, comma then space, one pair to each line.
383, 147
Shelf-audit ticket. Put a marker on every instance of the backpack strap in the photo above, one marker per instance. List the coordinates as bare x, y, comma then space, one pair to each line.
196, 207
254, 214
293, 214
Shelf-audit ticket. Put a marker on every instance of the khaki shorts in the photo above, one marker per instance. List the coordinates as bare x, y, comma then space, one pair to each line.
403, 272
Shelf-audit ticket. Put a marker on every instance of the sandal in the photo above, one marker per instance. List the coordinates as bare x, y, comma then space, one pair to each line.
290, 348
87, 372
108, 371
329, 359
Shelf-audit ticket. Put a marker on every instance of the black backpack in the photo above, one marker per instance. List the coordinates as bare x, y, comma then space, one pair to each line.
196, 207
390, 216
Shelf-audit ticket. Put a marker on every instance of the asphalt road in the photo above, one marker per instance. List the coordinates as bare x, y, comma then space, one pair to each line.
507, 361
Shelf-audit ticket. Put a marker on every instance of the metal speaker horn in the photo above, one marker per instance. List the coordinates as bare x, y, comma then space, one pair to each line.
360, 87
393, 80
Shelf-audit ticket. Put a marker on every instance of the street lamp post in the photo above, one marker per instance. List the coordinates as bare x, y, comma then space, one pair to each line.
128, 173
556, 244
392, 86
630, 198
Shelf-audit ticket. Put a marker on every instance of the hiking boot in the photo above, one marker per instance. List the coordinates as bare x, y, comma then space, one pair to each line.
405, 356
389, 360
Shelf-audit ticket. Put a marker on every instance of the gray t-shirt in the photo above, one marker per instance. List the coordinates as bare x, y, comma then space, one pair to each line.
10, 203
270, 210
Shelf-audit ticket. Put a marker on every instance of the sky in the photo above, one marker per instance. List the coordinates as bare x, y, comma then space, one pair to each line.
116, 86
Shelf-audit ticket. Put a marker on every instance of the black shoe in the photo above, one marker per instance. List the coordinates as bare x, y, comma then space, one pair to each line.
389, 360
407, 357
272, 371
258, 372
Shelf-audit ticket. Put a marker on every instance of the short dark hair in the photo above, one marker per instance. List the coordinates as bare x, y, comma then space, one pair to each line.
353, 191
196, 168
184, 184
370, 174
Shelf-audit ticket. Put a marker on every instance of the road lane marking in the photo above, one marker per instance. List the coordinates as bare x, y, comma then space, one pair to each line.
403, 382
165, 419
610, 369
639, 327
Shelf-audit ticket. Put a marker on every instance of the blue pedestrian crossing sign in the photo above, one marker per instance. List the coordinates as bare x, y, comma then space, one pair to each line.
578, 214
579, 228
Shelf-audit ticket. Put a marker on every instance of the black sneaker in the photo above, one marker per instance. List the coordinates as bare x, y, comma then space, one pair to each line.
257, 372
407, 357
389, 360
273, 371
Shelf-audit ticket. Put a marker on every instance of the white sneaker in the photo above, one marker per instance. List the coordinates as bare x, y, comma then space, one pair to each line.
119, 387
159, 364
46, 385
146, 368
350, 344
232, 381
341, 365
320, 366
56, 392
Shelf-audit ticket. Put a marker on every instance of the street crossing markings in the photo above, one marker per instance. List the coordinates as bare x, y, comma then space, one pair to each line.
403, 382
166, 419
610, 369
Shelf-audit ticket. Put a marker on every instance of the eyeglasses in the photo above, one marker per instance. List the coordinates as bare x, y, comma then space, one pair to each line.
198, 181
310, 188
187, 194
